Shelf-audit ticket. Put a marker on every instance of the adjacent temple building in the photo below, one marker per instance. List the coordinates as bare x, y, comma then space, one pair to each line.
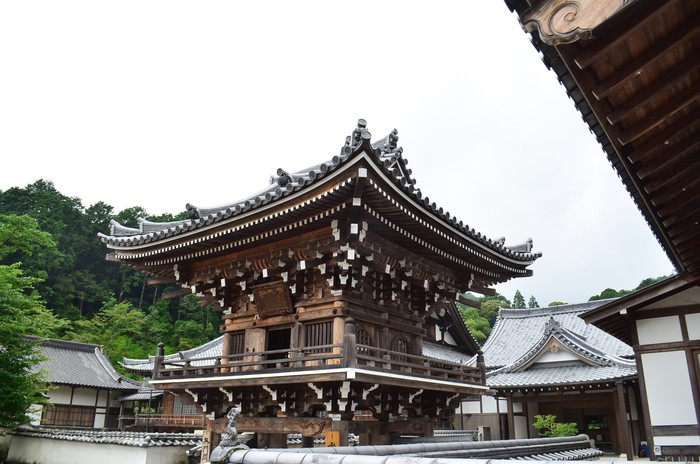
330, 279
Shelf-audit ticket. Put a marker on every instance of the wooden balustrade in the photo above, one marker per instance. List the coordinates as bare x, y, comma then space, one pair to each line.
170, 420
322, 357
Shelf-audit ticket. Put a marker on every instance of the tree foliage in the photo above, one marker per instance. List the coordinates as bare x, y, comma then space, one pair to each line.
22, 313
549, 427
612, 293
532, 303
518, 300
107, 303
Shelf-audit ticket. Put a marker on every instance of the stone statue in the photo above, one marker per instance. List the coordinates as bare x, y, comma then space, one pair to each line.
229, 441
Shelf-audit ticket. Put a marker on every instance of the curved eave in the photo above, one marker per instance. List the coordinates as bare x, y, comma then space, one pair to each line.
450, 235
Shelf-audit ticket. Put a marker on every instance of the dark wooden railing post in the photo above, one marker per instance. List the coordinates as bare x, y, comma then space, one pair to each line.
349, 344
481, 364
160, 354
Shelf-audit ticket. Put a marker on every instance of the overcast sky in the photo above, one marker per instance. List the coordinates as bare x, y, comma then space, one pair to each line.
163, 103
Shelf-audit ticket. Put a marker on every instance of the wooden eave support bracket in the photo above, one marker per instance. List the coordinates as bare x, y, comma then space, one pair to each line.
566, 21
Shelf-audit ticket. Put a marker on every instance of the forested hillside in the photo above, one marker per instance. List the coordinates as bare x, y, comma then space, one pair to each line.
93, 300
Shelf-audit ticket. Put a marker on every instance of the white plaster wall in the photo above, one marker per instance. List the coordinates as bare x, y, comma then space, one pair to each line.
659, 330
693, 323
84, 397
60, 395
692, 440
26, 450
471, 407
521, 426
668, 388
559, 356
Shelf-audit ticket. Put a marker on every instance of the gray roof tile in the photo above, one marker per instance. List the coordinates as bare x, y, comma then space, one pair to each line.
81, 364
517, 330
388, 157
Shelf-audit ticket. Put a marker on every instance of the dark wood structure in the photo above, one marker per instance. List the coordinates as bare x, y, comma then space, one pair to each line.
633, 70
329, 279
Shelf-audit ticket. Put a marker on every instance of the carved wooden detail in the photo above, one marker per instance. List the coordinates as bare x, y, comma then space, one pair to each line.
273, 299
566, 21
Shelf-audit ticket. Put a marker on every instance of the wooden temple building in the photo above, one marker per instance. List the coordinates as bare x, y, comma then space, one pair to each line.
329, 280
632, 68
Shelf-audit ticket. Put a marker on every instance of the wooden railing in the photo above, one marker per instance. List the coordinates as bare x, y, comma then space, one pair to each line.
170, 420
374, 358
319, 358
316, 357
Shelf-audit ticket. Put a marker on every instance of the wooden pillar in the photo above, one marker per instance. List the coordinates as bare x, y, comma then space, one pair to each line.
160, 354
349, 344
511, 419
481, 364
622, 424
207, 440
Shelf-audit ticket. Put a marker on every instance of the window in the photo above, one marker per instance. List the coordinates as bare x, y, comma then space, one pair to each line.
362, 337
400, 345
180, 409
75, 416
320, 333
238, 342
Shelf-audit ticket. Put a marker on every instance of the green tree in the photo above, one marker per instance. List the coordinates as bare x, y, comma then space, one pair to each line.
22, 313
518, 300
533, 302
549, 427
477, 325
119, 328
556, 303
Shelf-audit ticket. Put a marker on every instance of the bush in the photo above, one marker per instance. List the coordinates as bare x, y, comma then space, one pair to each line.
548, 427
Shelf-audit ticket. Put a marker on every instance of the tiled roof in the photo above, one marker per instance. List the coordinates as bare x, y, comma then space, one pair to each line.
516, 331
386, 155
207, 350
574, 374
522, 336
140, 439
444, 352
81, 364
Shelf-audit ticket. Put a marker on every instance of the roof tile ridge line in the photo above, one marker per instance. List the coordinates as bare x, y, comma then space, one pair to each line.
330, 165
59, 343
582, 343
107, 365
581, 347
529, 354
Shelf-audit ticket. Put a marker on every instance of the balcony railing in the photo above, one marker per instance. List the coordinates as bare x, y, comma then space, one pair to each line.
170, 420
319, 358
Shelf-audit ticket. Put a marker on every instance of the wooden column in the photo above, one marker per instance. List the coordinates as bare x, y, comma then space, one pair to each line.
511, 419
349, 343
622, 424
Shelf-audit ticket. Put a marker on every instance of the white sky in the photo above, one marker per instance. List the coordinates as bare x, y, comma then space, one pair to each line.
161, 103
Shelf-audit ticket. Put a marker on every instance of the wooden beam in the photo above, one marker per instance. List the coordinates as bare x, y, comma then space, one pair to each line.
466, 301
176, 294
653, 92
670, 159
160, 280
636, 67
677, 177
664, 138
687, 199
657, 117
674, 199
619, 34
